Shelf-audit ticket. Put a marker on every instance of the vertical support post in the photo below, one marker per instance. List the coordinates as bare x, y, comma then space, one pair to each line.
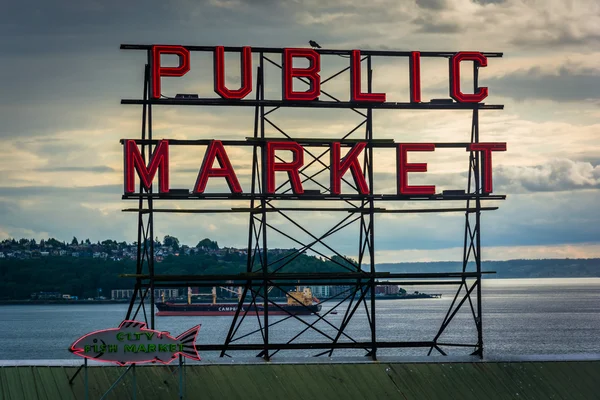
140, 253
180, 378
85, 379
251, 221
371, 214
478, 217
263, 204
134, 384
151, 227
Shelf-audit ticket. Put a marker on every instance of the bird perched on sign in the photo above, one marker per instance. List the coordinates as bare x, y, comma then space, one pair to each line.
314, 44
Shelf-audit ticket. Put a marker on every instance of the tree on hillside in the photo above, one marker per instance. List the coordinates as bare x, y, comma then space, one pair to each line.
171, 241
54, 243
74, 242
207, 244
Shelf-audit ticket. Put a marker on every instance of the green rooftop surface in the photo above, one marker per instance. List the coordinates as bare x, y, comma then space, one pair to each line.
480, 380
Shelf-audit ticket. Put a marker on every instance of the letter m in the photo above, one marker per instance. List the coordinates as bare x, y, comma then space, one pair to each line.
134, 162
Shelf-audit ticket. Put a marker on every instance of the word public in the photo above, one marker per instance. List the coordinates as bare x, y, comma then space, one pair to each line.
339, 166
310, 74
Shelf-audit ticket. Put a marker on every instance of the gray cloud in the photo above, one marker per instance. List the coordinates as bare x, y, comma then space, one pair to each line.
94, 168
432, 4
556, 35
433, 26
26, 191
594, 160
544, 218
67, 74
522, 220
568, 84
556, 175
51, 218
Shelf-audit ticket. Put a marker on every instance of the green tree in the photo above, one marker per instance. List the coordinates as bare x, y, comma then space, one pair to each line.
171, 241
207, 244
74, 242
54, 243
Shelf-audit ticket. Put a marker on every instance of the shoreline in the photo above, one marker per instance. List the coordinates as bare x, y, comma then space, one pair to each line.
541, 280
59, 302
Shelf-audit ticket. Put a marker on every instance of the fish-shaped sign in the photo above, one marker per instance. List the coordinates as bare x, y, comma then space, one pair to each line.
133, 343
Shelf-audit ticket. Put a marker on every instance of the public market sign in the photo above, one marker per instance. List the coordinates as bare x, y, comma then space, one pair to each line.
133, 343
344, 163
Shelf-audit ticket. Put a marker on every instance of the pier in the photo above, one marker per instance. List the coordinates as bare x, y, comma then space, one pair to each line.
523, 378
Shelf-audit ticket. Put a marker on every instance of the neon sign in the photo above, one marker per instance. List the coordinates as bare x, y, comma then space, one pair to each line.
343, 166
266, 165
133, 343
310, 74
339, 166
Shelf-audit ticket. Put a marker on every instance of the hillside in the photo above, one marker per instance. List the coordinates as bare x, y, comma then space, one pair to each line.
547, 268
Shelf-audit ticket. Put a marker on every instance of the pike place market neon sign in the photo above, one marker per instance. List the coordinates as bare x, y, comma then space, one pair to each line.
310, 74
344, 155
217, 165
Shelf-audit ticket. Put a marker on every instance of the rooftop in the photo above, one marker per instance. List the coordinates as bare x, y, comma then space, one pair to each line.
330, 380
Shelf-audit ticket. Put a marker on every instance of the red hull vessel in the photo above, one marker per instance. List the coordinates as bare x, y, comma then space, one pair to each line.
199, 309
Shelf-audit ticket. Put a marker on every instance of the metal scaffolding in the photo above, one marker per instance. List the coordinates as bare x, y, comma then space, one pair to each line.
357, 279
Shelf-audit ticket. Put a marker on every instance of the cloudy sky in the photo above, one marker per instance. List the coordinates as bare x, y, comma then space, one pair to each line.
64, 76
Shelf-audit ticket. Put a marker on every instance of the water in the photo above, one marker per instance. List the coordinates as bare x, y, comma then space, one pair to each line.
521, 317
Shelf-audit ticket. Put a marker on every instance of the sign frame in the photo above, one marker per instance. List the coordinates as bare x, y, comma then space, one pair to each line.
360, 210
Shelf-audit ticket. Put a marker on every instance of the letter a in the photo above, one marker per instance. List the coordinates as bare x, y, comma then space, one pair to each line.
216, 150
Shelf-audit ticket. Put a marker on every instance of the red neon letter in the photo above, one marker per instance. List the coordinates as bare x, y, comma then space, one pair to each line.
158, 71
486, 149
415, 76
246, 74
455, 91
311, 73
291, 168
355, 90
339, 168
158, 161
404, 168
216, 150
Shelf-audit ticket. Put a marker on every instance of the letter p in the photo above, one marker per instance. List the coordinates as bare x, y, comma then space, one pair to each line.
158, 71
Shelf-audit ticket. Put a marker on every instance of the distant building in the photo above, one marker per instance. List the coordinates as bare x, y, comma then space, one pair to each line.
386, 289
46, 296
341, 291
121, 294
321, 292
118, 294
